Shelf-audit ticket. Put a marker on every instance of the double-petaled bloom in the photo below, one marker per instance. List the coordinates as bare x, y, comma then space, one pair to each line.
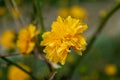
65, 34
27, 39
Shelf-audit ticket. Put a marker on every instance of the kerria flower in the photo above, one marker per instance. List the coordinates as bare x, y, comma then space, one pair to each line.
63, 12
7, 39
102, 13
15, 73
74, 11
78, 12
65, 34
110, 69
27, 38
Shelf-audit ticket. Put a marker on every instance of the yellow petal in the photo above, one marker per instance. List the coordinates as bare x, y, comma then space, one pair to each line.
31, 46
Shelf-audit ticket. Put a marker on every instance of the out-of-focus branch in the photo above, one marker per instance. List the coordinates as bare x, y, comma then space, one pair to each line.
52, 75
10, 9
9, 55
19, 15
37, 4
95, 36
50, 65
3, 57
101, 26
18, 66
38, 54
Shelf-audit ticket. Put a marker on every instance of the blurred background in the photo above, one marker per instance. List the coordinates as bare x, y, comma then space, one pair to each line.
103, 60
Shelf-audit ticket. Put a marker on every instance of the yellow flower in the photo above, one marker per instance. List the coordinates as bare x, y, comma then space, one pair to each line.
27, 38
15, 73
110, 69
2, 11
65, 33
118, 1
63, 12
102, 13
7, 39
78, 12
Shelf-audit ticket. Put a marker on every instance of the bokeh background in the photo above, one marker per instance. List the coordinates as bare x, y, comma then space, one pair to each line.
103, 60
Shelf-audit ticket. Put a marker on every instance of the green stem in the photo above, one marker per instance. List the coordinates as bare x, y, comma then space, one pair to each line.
10, 62
39, 13
52, 75
19, 15
10, 8
95, 35
9, 55
101, 26
38, 54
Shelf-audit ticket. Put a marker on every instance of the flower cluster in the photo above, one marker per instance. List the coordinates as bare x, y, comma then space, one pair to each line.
65, 34
25, 41
74, 11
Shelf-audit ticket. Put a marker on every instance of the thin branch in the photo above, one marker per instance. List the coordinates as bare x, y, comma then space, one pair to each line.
95, 36
9, 7
41, 57
37, 5
52, 75
101, 26
18, 66
9, 55
34, 18
51, 67
19, 15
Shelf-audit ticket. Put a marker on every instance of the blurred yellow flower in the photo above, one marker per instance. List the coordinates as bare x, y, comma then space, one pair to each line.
102, 13
118, 1
74, 11
7, 39
78, 12
15, 73
65, 33
110, 69
2, 11
63, 12
26, 39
